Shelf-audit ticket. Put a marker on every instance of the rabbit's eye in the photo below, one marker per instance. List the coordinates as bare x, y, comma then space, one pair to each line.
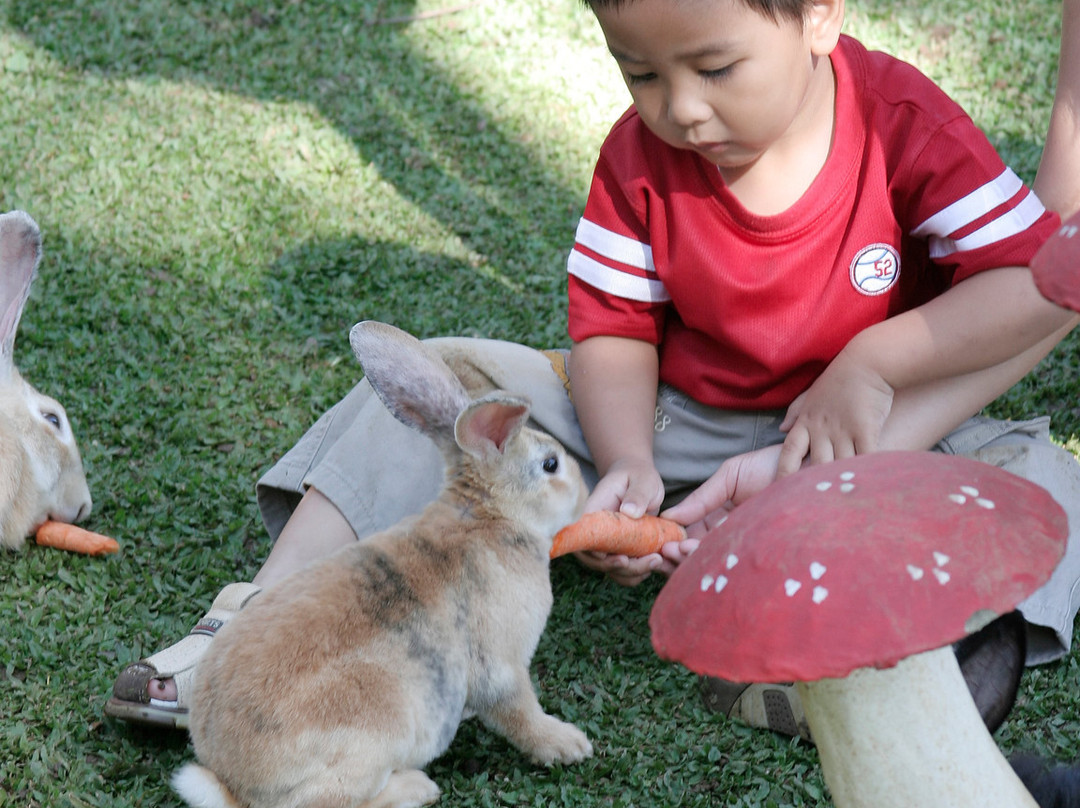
52, 418
551, 464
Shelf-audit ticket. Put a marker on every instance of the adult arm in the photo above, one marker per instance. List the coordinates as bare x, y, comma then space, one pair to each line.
1057, 182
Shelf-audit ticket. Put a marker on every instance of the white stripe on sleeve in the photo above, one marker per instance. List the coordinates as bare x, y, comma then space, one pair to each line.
1008, 224
609, 244
975, 205
615, 282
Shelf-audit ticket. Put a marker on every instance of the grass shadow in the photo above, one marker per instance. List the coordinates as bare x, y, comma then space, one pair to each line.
399, 107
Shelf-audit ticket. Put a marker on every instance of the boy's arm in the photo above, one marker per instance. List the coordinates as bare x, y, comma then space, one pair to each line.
613, 381
920, 416
994, 323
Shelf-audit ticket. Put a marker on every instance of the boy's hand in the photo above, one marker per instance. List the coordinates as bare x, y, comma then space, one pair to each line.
632, 571
736, 480
633, 487
840, 415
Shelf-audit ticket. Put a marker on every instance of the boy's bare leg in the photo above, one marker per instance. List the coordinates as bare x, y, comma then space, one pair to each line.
315, 529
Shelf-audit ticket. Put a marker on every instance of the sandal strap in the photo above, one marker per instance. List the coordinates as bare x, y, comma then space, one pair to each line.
208, 626
181, 656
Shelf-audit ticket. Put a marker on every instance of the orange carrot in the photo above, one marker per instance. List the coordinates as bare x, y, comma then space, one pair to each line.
616, 533
63, 536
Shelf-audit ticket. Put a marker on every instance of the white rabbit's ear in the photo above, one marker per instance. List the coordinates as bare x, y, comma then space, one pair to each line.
485, 427
20, 252
411, 378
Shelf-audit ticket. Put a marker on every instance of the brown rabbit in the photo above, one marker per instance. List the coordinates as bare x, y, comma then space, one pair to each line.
41, 472
336, 686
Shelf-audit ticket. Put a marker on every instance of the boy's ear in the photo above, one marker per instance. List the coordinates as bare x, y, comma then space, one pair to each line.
823, 25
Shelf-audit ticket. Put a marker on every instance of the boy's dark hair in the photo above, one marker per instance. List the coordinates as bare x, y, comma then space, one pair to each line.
775, 10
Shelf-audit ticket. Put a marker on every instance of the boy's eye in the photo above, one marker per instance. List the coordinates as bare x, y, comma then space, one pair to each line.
719, 73
639, 78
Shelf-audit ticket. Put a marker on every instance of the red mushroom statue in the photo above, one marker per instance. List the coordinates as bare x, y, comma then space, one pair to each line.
853, 579
1056, 266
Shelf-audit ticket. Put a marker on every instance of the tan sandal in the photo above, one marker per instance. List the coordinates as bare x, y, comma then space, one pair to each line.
766, 706
132, 701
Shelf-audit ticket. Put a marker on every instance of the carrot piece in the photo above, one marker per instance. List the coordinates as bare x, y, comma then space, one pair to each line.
63, 536
616, 533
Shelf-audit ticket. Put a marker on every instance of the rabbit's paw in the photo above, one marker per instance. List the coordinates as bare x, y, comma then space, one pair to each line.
406, 789
561, 743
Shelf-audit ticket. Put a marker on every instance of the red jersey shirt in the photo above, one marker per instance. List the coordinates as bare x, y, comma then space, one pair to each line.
748, 310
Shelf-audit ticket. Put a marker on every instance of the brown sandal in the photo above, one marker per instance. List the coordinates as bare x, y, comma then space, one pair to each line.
132, 700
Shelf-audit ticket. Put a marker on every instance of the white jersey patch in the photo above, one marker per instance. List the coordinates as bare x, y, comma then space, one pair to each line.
875, 269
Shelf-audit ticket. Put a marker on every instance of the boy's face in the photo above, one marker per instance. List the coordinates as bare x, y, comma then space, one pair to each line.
714, 76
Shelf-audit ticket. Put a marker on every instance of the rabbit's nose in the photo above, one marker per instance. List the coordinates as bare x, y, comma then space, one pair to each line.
71, 514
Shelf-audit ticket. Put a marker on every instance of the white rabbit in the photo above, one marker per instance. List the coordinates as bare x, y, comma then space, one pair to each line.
41, 472
339, 684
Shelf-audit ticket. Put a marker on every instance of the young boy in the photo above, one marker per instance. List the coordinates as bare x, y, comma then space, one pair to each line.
786, 224
807, 249
772, 228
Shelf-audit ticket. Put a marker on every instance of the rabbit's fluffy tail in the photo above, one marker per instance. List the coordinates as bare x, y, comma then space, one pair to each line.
1057, 787
200, 788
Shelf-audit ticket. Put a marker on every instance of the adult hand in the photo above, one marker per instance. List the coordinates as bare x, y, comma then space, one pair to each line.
737, 479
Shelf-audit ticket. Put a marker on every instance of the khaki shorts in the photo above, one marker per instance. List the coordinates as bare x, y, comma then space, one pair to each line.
376, 470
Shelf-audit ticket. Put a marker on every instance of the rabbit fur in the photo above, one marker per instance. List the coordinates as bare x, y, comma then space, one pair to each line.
336, 686
41, 472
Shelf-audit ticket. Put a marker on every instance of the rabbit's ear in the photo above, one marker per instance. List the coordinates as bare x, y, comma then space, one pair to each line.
20, 251
485, 427
411, 378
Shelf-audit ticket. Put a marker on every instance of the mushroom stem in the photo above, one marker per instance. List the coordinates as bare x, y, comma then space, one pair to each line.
908, 735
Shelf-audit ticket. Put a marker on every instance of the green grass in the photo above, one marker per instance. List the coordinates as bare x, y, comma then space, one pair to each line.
224, 188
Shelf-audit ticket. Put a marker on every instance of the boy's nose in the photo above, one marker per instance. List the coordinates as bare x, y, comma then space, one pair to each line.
686, 108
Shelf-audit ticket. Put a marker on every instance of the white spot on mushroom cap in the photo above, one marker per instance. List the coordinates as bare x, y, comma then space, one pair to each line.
940, 560
917, 569
716, 584
970, 491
